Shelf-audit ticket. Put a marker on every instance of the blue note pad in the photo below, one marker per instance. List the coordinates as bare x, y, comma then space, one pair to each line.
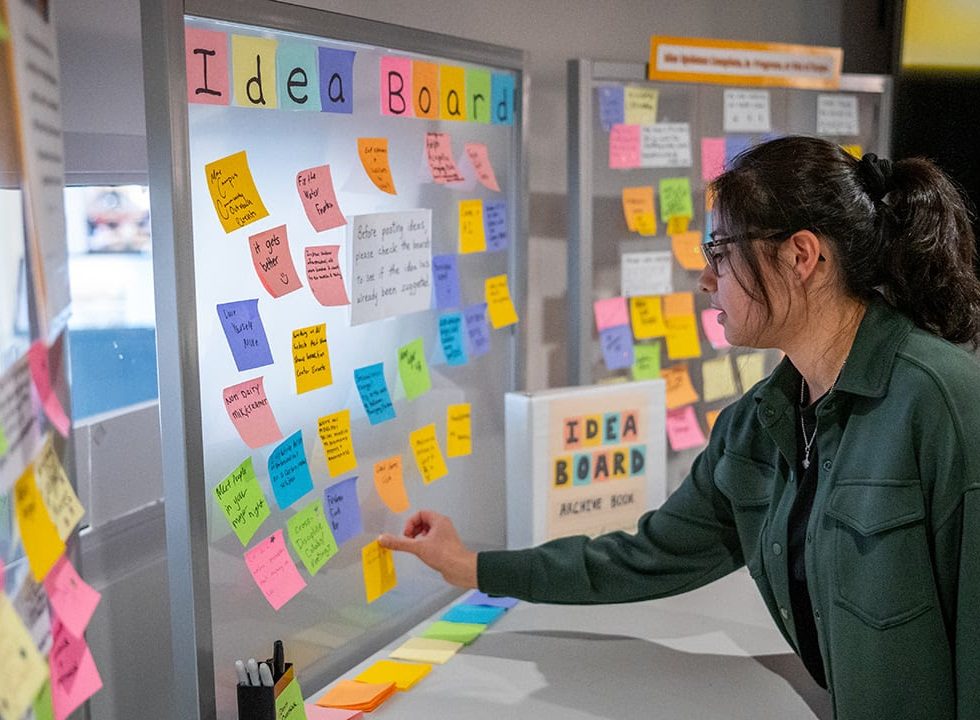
483, 614
451, 337
481, 598
495, 225
445, 276
477, 329
617, 347
289, 473
245, 333
611, 110
373, 389
343, 510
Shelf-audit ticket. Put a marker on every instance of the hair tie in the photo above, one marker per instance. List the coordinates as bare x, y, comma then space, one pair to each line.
876, 175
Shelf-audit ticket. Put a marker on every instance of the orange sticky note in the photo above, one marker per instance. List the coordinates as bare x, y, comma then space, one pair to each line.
680, 303
374, 157
677, 224
233, 192
390, 484
425, 89
356, 695
680, 390
428, 455
459, 439
472, 234
452, 92
712, 417
42, 544
500, 307
687, 249
335, 436
379, 570
639, 210
311, 358
647, 317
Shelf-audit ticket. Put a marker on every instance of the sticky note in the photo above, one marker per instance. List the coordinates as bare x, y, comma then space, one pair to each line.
675, 198
233, 192
311, 358
472, 234
478, 95
640, 105
646, 273
56, 491
389, 482
39, 535
712, 157
379, 571
477, 329
503, 93
452, 92
324, 276
735, 145
480, 614
499, 304
459, 439
413, 369
338, 447
404, 675
72, 599
42, 706
681, 303
373, 389
206, 60
336, 80
495, 225
272, 261
428, 455
357, 695
374, 158
680, 391
445, 278
426, 650
395, 83
713, 330
315, 712
718, 380
853, 150
242, 501
624, 147
682, 337
646, 361
343, 510
678, 224
617, 347
298, 77
455, 632
687, 249
610, 312
711, 417
40, 366
74, 676
316, 192
638, 210
611, 110
24, 668
245, 333
646, 315
425, 89
289, 703
274, 571
439, 156
310, 536
481, 598
683, 430
746, 111
253, 62
289, 473
480, 159
451, 338
751, 369
249, 410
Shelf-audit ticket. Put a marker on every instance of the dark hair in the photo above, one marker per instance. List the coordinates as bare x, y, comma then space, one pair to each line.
900, 228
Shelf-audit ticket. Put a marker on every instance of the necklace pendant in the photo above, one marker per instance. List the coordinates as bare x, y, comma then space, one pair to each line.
806, 463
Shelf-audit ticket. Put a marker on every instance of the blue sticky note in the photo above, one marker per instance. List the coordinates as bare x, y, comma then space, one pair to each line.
481, 598
336, 80
451, 337
611, 110
482, 614
246, 334
298, 80
617, 347
502, 92
495, 225
736, 144
342, 510
373, 389
445, 276
289, 473
477, 329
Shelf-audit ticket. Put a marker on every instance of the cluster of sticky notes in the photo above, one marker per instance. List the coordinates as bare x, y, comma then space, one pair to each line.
649, 145
615, 337
482, 226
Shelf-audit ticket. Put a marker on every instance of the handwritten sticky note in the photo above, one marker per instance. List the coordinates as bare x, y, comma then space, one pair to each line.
647, 317
426, 650
374, 158
233, 192
682, 337
711, 417
315, 188
675, 198
646, 361
713, 330
389, 482
24, 668
413, 369
646, 273
336, 69
478, 597
249, 410
310, 536
445, 278
343, 510
245, 333
338, 447
373, 389
638, 210
751, 369
56, 491
480, 614
452, 92
495, 225
451, 338
640, 105
454, 632
311, 358
687, 249
289, 473
324, 276
477, 329
404, 675
274, 571
610, 312
242, 501
746, 111
680, 390
206, 61
39, 535
425, 89
253, 87
477, 153
439, 156
459, 434
428, 455
718, 379
289, 703
683, 430
395, 75
624, 147
272, 261
611, 109
712, 157
472, 234
379, 571
499, 304
296, 75
40, 366
617, 347
72, 599
74, 676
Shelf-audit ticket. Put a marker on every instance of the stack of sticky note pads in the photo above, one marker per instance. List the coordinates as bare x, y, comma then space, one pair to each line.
354, 695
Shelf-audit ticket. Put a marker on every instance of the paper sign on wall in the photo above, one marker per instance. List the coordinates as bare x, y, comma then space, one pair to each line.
837, 115
315, 187
374, 158
338, 447
373, 389
242, 501
289, 473
747, 111
245, 333
274, 571
310, 537
428, 455
389, 482
646, 273
249, 410
379, 571
413, 369
452, 92
39, 536
499, 304
324, 276
459, 440
343, 510
233, 192
272, 261
665, 145
311, 358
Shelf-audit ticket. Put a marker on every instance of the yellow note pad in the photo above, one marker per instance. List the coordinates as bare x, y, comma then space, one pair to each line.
500, 307
335, 436
38, 533
680, 391
459, 440
751, 369
639, 210
254, 71
718, 379
24, 668
472, 234
687, 249
428, 456
404, 675
59, 497
374, 157
311, 358
640, 105
427, 650
233, 192
647, 317
379, 571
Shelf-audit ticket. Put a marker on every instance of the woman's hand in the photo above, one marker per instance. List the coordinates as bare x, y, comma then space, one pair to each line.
432, 538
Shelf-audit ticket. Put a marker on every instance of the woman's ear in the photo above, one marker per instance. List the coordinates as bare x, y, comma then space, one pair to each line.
802, 252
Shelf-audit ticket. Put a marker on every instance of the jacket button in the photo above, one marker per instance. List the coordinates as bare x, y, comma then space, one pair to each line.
770, 412
816, 614
777, 549
784, 612
809, 537
827, 464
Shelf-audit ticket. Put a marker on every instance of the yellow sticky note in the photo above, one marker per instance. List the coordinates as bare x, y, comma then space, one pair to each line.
647, 317
679, 303
452, 92
682, 327
428, 455
853, 150
718, 379
712, 417
751, 369
42, 544
687, 249
373, 152
640, 105
233, 192
500, 307
253, 61
24, 668
337, 445
639, 210
678, 224
427, 650
311, 358
472, 234
680, 390
379, 570
57, 493
404, 675
458, 430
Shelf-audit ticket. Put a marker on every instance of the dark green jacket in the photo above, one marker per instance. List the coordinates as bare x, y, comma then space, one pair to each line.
893, 542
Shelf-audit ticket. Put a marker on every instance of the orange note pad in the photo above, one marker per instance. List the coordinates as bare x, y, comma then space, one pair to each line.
353, 695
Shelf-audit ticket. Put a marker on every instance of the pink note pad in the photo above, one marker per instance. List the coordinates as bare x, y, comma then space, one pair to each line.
477, 153
712, 157
315, 712
72, 599
249, 410
324, 276
315, 187
274, 570
38, 359
439, 155
624, 147
206, 54
683, 430
611, 312
713, 330
74, 676
273, 262
396, 86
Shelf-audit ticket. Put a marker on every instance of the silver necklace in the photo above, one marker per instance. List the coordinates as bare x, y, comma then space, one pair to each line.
808, 443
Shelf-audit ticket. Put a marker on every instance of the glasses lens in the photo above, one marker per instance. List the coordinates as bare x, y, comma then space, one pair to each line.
710, 257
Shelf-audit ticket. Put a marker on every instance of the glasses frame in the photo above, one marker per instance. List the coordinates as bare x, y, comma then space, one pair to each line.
713, 259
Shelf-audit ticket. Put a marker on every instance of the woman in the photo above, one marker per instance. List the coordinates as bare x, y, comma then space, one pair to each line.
849, 480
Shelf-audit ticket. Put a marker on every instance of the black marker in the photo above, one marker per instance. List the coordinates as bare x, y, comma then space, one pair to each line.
278, 660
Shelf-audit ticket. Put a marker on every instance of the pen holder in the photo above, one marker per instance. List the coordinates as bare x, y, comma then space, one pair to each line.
287, 676
256, 703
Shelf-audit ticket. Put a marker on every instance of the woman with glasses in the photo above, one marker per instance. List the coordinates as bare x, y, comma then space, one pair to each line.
848, 481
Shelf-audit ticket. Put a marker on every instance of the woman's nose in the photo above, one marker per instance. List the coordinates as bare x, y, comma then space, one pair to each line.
707, 280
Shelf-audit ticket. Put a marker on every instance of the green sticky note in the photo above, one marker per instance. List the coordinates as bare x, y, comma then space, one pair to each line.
289, 704
454, 632
43, 709
242, 501
646, 361
478, 98
4, 447
310, 536
413, 369
675, 198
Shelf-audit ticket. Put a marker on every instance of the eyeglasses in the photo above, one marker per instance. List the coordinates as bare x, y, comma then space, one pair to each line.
713, 257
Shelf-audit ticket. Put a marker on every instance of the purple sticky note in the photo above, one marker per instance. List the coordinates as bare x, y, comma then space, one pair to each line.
481, 598
246, 335
445, 276
610, 106
735, 145
617, 347
495, 225
342, 510
477, 329
336, 80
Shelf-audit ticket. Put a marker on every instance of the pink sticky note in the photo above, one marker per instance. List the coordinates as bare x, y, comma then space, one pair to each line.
395, 83
713, 330
249, 410
273, 261
207, 66
712, 157
72, 599
315, 712
624, 146
41, 374
323, 274
611, 312
315, 187
274, 570
683, 430
439, 155
74, 676
477, 153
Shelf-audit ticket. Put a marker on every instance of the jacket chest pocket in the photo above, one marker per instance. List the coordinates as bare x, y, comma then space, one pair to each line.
883, 566
749, 487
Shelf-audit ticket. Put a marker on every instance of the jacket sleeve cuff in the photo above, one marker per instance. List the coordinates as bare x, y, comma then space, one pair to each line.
505, 573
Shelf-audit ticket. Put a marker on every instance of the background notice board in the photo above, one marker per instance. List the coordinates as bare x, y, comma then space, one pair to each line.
355, 263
